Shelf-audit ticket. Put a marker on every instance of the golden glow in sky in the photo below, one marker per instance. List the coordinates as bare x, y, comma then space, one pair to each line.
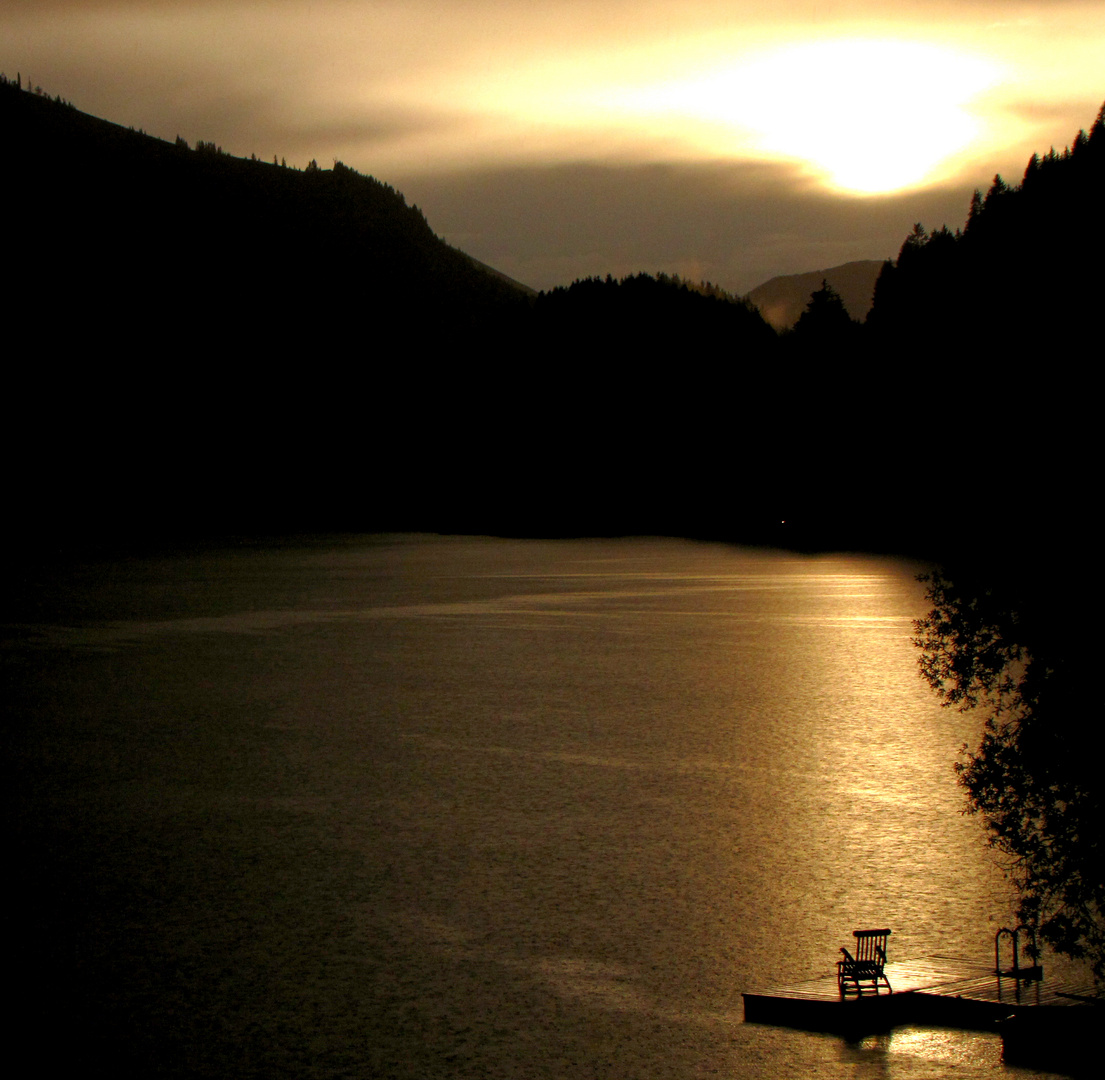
866, 115
775, 115
861, 96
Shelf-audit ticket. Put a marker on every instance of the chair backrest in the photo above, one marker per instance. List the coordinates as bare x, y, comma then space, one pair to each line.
871, 944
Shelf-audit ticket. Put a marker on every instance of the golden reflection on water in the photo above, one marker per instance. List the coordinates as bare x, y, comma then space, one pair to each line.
917, 1053
528, 809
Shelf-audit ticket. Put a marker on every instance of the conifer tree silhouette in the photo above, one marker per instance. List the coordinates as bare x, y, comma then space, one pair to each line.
825, 318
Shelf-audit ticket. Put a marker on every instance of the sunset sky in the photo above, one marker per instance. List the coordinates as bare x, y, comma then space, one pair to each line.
728, 141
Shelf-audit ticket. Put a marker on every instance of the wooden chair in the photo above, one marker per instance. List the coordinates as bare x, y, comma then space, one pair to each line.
866, 966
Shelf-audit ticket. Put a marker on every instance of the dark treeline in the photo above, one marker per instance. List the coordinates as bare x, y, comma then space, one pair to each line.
651, 312
116, 219
1023, 270
1001, 321
206, 344
999, 325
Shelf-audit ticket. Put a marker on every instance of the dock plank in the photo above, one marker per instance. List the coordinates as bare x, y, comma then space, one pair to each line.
904, 976
943, 989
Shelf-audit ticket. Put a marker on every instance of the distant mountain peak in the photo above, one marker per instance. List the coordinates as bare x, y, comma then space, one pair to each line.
783, 299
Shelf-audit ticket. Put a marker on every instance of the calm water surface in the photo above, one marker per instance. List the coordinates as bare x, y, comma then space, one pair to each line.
420, 807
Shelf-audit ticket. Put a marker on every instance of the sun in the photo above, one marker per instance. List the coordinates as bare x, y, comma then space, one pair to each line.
869, 115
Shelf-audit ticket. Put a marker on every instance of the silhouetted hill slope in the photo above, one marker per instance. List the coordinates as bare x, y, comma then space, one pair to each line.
503, 277
173, 234
994, 332
646, 313
783, 299
199, 345
1025, 271
208, 344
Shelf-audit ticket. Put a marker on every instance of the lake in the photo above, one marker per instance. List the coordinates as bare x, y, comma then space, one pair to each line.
424, 807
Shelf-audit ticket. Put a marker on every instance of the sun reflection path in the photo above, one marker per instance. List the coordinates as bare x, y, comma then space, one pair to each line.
913, 1050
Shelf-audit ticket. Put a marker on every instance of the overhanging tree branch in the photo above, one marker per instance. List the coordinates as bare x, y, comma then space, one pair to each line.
1002, 644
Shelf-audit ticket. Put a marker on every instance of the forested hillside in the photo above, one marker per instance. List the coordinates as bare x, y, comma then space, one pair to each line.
204, 344
1024, 270
261, 252
994, 331
213, 344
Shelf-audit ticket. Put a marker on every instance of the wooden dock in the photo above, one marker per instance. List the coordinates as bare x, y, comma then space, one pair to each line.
944, 991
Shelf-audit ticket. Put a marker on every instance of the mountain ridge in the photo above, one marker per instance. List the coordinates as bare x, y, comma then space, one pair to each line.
212, 345
783, 298
114, 199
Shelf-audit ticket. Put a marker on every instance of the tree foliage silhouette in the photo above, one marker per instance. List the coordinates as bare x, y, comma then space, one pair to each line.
1003, 644
826, 319
1027, 255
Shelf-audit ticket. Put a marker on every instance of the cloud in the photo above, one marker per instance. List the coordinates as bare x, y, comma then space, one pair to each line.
1060, 115
736, 225
499, 117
